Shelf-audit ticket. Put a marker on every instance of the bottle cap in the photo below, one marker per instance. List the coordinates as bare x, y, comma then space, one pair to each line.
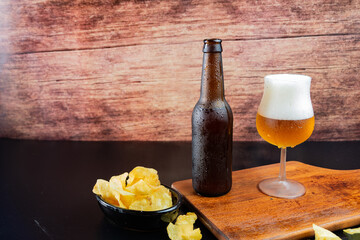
212, 45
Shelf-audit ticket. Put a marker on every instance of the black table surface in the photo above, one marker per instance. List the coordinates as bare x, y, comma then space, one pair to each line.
46, 185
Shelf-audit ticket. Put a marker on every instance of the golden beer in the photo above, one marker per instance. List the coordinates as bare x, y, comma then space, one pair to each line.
284, 133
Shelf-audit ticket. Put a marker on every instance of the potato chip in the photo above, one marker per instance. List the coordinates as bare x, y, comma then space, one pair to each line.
161, 198
103, 189
142, 203
139, 188
189, 218
118, 183
119, 202
148, 175
352, 233
174, 231
183, 229
193, 235
324, 234
186, 222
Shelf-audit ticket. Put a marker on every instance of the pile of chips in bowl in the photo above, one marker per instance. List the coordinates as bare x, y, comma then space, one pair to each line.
138, 190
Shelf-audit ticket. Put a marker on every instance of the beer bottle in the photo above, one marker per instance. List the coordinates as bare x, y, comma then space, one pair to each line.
212, 128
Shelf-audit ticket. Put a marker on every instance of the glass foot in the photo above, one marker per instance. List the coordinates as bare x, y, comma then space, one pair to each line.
282, 189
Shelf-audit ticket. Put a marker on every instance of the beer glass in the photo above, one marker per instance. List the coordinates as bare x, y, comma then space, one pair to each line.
285, 118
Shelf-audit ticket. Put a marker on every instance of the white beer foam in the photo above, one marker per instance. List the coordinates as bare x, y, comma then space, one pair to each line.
286, 97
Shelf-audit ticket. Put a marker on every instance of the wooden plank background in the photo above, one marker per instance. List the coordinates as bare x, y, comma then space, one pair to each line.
130, 69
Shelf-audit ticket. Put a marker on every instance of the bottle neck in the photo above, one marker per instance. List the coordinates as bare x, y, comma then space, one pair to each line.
212, 81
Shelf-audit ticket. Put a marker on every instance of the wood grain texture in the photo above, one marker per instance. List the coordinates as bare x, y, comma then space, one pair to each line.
332, 200
130, 70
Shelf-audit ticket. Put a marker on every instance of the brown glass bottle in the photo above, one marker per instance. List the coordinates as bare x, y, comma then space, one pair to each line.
212, 128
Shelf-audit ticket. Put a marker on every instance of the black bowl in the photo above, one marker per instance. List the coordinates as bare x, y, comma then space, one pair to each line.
142, 220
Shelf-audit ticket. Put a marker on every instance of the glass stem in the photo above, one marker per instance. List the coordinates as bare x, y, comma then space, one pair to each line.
282, 174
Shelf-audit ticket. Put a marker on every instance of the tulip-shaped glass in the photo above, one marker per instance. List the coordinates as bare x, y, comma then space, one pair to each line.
285, 118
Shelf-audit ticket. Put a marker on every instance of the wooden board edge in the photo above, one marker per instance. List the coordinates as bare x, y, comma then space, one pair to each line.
333, 226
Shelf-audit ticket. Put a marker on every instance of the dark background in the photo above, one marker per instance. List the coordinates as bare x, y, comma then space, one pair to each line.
46, 185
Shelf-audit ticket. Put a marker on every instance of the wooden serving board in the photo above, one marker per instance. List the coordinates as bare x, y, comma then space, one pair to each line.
332, 200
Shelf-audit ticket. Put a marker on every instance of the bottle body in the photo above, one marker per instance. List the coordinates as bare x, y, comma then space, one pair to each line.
212, 131
212, 149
